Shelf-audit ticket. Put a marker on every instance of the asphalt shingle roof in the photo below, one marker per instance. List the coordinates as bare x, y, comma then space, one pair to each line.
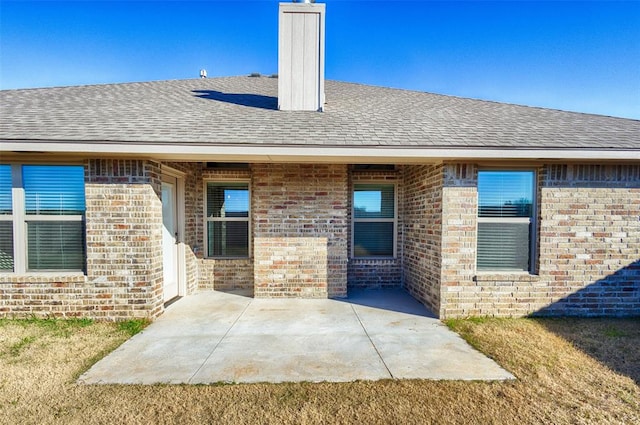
243, 111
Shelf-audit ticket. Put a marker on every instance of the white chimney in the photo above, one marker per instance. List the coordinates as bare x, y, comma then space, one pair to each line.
301, 56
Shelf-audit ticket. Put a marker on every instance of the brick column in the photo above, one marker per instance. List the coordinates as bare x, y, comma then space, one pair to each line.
124, 237
423, 233
458, 246
299, 214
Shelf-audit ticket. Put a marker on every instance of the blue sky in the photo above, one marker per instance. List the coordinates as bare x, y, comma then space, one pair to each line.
579, 56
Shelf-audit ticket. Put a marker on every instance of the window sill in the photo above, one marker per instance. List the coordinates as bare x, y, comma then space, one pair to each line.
42, 277
369, 259
226, 258
514, 276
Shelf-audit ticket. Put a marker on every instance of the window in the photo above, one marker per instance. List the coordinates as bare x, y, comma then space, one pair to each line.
227, 219
6, 219
42, 218
505, 220
374, 220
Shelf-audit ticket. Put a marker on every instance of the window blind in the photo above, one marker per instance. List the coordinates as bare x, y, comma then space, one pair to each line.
53, 190
227, 200
228, 238
54, 206
505, 211
6, 245
373, 201
6, 222
53, 245
503, 246
372, 239
505, 193
5, 190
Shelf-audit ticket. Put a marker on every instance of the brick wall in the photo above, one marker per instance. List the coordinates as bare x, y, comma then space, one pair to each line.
590, 239
376, 273
124, 233
124, 252
422, 234
299, 214
588, 247
226, 274
458, 245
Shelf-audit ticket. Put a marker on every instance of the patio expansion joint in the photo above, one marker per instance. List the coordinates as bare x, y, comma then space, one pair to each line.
371, 341
219, 342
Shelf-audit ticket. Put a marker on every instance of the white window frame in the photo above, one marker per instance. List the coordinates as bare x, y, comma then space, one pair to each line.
355, 220
20, 220
208, 220
532, 221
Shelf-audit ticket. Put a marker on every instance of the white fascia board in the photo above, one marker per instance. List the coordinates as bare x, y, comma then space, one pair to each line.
338, 154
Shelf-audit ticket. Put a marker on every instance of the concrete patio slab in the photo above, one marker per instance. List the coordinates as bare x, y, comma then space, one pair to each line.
219, 337
294, 340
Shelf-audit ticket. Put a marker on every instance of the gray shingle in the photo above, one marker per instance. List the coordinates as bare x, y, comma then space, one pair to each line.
242, 111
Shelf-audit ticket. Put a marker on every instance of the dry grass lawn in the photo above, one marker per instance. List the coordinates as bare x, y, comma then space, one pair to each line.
569, 371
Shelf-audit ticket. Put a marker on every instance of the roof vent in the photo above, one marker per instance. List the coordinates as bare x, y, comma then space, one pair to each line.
203, 73
304, 1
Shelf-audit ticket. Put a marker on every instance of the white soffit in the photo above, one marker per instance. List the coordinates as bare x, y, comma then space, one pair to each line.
306, 153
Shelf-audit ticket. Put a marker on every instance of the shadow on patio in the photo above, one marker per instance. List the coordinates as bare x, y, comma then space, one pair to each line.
392, 299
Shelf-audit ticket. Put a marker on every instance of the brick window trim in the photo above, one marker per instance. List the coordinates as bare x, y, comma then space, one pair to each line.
515, 276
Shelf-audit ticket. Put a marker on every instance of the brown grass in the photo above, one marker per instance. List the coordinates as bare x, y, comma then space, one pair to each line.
569, 371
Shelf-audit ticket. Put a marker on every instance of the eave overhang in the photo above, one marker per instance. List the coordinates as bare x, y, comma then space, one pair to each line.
302, 153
